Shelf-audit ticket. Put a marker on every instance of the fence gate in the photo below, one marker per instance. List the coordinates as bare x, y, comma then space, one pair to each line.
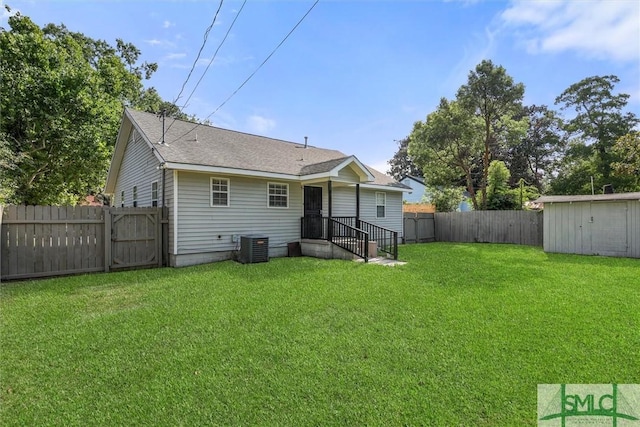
136, 237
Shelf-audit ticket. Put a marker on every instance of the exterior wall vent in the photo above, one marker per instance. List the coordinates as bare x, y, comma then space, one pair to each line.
254, 248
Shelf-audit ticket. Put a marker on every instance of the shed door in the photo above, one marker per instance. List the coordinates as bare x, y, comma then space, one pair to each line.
609, 228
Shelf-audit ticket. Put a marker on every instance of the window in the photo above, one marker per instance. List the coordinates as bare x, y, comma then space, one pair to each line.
134, 197
122, 199
381, 202
278, 195
154, 193
219, 192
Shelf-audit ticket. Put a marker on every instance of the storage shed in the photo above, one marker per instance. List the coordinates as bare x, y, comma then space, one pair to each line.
601, 224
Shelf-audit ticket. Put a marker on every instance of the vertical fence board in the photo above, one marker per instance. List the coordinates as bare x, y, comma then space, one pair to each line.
41, 241
518, 227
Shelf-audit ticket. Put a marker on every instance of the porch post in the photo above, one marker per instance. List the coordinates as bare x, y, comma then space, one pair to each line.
357, 205
329, 223
329, 186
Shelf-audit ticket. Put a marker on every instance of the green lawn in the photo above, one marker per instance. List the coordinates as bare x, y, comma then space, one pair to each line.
461, 335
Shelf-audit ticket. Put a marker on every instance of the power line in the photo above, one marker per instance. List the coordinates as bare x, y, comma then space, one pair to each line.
204, 42
252, 74
210, 61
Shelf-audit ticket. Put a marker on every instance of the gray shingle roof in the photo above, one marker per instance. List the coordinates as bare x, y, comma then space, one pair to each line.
188, 144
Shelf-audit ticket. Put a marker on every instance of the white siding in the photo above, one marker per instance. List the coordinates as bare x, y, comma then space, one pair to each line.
139, 168
344, 204
202, 228
344, 201
393, 211
348, 174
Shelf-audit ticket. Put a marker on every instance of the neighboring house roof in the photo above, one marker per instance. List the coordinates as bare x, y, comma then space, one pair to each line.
413, 178
589, 198
211, 149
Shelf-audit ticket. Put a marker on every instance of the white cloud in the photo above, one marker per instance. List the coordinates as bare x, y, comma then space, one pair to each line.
160, 43
260, 124
167, 24
603, 29
173, 56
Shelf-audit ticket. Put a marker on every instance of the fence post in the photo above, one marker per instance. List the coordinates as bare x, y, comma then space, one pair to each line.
107, 239
159, 235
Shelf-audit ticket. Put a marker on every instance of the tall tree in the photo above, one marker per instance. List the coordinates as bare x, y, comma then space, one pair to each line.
401, 163
535, 157
491, 95
61, 104
598, 123
446, 146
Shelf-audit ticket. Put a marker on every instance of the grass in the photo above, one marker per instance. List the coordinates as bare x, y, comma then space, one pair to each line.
461, 335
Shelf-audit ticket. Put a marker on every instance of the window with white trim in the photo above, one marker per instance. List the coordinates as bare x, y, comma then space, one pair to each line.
278, 195
219, 192
134, 197
122, 199
381, 203
154, 193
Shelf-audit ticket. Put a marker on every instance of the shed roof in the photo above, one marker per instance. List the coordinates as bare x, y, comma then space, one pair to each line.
589, 198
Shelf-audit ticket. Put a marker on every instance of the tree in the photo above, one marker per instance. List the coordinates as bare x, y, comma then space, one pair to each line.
61, 103
445, 199
401, 163
456, 143
446, 146
535, 157
627, 148
491, 95
499, 194
599, 122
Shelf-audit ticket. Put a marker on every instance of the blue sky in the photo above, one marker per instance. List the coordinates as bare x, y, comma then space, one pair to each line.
356, 75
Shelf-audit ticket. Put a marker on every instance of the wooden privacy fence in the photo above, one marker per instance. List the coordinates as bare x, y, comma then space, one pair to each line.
518, 227
418, 227
41, 241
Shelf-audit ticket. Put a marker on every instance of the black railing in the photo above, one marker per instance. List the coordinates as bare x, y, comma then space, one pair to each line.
344, 231
337, 232
386, 239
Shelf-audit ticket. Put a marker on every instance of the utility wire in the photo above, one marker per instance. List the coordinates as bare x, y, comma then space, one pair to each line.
252, 74
210, 61
204, 42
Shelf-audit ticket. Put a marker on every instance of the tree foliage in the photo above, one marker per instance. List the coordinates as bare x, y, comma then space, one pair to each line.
534, 158
598, 123
491, 95
446, 146
401, 164
457, 142
627, 149
445, 199
62, 100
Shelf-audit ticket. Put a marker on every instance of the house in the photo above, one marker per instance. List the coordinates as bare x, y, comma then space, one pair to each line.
418, 191
219, 185
601, 224
417, 188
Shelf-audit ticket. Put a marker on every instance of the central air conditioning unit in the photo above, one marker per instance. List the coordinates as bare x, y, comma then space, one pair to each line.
254, 248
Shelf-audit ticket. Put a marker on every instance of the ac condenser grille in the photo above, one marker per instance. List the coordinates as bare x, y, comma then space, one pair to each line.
254, 248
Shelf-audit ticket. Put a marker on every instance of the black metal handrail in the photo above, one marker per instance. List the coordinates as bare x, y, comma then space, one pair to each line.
386, 239
338, 232
318, 228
